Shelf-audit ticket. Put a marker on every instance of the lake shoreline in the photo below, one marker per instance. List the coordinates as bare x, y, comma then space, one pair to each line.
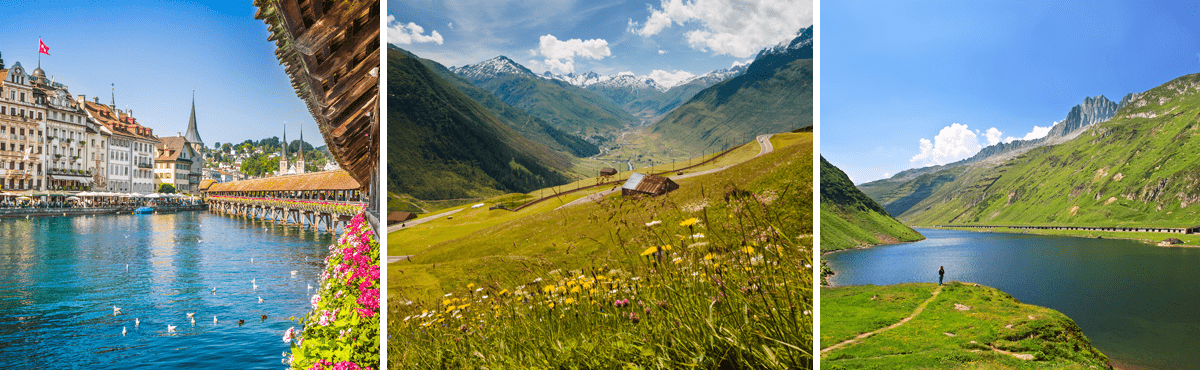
1028, 232
60, 212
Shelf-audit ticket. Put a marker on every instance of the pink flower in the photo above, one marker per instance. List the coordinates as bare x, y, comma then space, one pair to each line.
346, 365
315, 299
287, 336
321, 365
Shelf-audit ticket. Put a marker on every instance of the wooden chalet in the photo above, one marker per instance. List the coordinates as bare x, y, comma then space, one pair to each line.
643, 184
398, 217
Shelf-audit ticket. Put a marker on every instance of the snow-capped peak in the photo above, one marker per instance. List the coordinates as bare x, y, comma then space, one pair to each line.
497, 66
618, 80
804, 38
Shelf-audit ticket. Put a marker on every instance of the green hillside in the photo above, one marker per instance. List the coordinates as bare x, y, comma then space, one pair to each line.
774, 95
479, 240
564, 106
1138, 169
850, 219
503, 289
528, 126
443, 145
963, 326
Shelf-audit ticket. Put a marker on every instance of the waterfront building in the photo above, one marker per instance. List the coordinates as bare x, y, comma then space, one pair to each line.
178, 164
131, 148
70, 145
22, 134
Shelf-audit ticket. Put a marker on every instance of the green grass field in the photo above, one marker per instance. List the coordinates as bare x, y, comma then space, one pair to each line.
741, 212
965, 326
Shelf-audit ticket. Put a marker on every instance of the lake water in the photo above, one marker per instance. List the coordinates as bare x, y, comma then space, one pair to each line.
61, 276
1137, 303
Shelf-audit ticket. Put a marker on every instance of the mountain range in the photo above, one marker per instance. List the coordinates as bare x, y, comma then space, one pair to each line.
1137, 168
850, 219
775, 94
564, 106
901, 192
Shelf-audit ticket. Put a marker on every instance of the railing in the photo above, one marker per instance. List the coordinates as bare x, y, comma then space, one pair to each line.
323, 206
144, 165
67, 171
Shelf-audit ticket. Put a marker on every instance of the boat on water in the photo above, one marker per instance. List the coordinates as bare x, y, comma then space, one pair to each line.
143, 211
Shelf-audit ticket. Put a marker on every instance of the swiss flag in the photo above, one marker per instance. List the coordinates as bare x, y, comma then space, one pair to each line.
42, 48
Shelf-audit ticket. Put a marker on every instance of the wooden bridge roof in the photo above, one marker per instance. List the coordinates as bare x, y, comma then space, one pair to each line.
331, 52
315, 181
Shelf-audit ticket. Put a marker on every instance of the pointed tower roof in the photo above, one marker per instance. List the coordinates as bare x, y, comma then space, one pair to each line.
193, 135
301, 141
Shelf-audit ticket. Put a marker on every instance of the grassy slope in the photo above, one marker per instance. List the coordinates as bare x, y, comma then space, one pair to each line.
444, 145
504, 247
766, 99
566, 107
850, 219
1051, 337
1125, 172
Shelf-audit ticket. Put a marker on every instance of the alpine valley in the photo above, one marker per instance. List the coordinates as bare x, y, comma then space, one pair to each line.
495, 127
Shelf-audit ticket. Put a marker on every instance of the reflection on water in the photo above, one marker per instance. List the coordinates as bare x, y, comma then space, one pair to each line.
61, 276
1137, 303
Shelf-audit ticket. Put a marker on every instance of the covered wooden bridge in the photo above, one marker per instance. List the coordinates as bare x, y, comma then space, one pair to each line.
311, 200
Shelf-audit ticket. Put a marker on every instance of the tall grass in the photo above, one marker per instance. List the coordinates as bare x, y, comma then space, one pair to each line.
720, 286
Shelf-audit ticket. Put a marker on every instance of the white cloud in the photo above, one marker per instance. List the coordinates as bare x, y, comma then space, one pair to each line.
662, 51
993, 136
450, 25
953, 143
733, 27
560, 55
742, 63
670, 79
404, 34
1038, 132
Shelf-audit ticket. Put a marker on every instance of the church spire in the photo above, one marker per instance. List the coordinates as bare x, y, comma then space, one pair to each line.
193, 135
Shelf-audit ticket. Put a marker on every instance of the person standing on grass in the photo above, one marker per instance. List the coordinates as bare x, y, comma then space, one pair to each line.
941, 274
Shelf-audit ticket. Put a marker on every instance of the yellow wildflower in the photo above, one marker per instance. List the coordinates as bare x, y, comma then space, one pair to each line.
464, 306
569, 301
447, 302
575, 290
551, 305
503, 292
689, 222
593, 291
708, 256
548, 289
649, 251
748, 249
666, 247
471, 286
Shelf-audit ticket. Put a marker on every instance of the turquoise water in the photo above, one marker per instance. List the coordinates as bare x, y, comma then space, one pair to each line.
61, 276
1137, 303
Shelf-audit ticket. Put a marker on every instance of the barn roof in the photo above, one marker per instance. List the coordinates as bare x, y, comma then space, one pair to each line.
646, 183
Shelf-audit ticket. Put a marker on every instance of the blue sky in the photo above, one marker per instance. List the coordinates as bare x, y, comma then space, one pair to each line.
896, 73
155, 52
672, 37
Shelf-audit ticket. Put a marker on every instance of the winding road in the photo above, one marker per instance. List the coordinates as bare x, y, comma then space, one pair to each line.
764, 145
